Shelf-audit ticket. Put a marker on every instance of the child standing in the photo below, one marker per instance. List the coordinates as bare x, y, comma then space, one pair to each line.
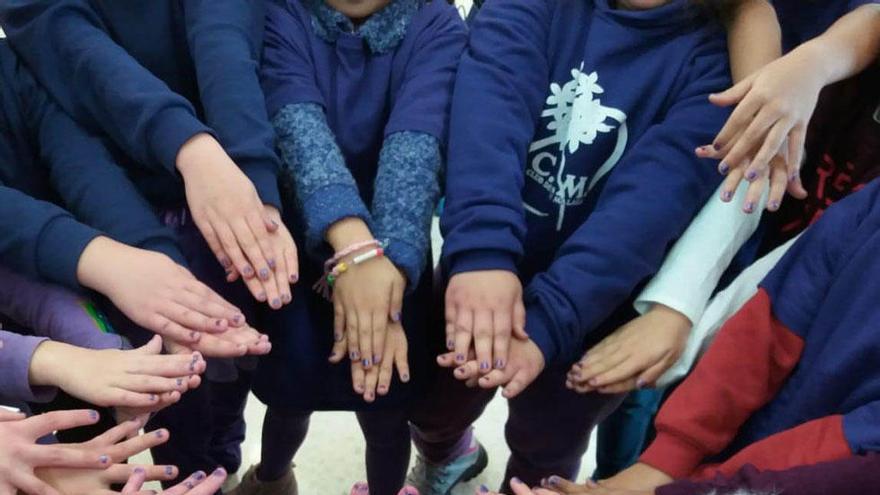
562, 163
359, 95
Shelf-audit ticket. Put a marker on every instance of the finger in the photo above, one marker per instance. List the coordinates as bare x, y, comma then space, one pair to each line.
396, 306
214, 243
152, 347
116, 434
168, 365
26, 482
291, 257
358, 378
11, 415
796, 142
338, 320
778, 182
467, 371
379, 323
502, 328
520, 488
207, 314
464, 327
43, 424
151, 384
211, 484
254, 254
650, 376
401, 360
753, 195
517, 384
496, 378
282, 274
735, 125
627, 369
191, 318
773, 144
751, 139
447, 360
351, 333
119, 473
562, 485
232, 313
483, 339
267, 249
365, 338
121, 397
592, 367
386, 371
621, 387
734, 94
135, 482
163, 323
62, 456
141, 443
730, 184
371, 380
230, 245
337, 354
519, 320
185, 487
451, 315
214, 346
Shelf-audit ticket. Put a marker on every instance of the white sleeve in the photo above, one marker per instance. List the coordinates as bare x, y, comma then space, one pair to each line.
722, 307
696, 262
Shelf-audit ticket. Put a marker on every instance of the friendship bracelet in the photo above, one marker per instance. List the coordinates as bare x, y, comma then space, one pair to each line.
334, 267
348, 251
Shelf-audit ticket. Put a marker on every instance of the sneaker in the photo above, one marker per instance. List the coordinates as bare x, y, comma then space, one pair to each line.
250, 485
440, 479
362, 488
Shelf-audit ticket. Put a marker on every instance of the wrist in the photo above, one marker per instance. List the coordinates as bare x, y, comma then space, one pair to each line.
193, 151
671, 314
95, 267
44, 362
348, 232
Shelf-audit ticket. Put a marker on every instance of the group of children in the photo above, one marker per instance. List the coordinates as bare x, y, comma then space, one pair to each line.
201, 199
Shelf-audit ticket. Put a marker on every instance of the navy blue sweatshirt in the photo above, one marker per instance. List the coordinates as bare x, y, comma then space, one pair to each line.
571, 155
43, 151
153, 74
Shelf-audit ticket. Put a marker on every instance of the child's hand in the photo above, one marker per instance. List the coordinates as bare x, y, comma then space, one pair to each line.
638, 478
20, 455
483, 308
635, 356
197, 484
235, 342
378, 378
71, 481
519, 488
287, 266
773, 109
228, 211
155, 292
526, 363
559, 485
110, 378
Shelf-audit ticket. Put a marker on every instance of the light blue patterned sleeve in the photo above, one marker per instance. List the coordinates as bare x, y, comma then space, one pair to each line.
324, 188
406, 191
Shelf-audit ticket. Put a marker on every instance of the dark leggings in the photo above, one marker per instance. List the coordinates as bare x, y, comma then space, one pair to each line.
386, 434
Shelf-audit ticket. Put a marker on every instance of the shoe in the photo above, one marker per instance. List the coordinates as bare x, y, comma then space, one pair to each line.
361, 488
440, 479
250, 485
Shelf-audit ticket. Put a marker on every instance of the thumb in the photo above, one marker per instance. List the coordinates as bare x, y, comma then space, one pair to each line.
562, 485
154, 346
733, 95
519, 321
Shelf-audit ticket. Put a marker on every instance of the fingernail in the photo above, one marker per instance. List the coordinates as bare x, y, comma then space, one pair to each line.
193, 335
169, 470
219, 472
404, 377
139, 470
459, 358
189, 485
726, 195
366, 363
382, 388
276, 303
261, 296
553, 480
104, 460
793, 177
294, 278
337, 337
238, 319
484, 489
396, 317
774, 205
752, 175
264, 273
450, 345
640, 384
723, 168
484, 365
94, 415
248, 271
750, 207
377, 358
717, 146
593, 382
286, 298
192, 366
225, 263
355, 356
159, 433
180, 382
516, 480
569, 384
499, 364
199, 475
271, 264
153, 397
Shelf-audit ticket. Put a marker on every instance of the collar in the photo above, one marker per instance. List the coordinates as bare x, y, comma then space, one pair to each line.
382, 31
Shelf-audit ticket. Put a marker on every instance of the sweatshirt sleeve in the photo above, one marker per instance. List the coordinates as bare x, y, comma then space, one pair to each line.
90, 183
500, 84
633, 224
51, 311
66, 45
225, 40
704, 414
695, 264
40, 239
16, 352
858, 474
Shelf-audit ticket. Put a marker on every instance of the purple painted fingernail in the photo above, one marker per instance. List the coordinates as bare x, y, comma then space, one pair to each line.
180, 382
169, 470
261, 296
139, 470
640, 384
793, 177
553, 480
94, 415
159, 433
271, 264
192, 366
499, 364
153, 397
219, 472
717, 146
238, 319
377, 358
516, 480
484, 489
294, 278
366, 363
264, 273
484, 365
450, 345
225, 262
750, 207
396, 317
593, 382
774, 205
355, 356
189, 485
459, 357
726, 195
404, 377
247, 271
193, 335
218, 323
723, 168
286, 298
199, 475
337, 337
752, 175
276, 303
103, 459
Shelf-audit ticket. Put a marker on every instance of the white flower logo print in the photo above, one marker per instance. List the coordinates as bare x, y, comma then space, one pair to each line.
577, 118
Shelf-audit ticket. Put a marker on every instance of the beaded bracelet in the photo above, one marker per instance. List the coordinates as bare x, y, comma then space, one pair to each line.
334, 267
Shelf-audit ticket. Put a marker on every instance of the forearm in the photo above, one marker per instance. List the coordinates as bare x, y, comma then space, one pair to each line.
16, 355
754, 38
406, 191
847, 47
326, 192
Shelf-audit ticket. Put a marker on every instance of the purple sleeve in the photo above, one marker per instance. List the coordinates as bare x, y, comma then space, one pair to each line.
859, 474
15, 361
54, 312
